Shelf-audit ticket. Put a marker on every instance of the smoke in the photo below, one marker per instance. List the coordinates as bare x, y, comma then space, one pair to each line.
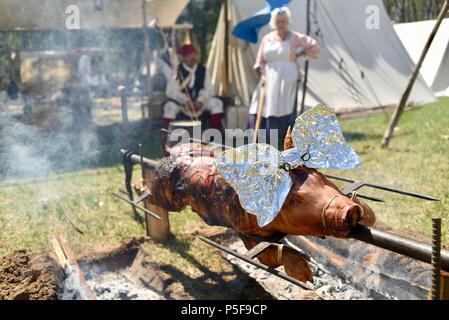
30, 148
28, 151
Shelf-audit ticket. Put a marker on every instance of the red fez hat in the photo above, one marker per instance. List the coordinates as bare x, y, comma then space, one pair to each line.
186, 49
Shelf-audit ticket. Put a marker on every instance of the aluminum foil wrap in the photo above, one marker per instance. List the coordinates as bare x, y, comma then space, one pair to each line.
259, 172
261, 185
318, 134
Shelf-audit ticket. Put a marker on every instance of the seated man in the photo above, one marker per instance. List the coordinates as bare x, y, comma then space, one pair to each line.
191, 91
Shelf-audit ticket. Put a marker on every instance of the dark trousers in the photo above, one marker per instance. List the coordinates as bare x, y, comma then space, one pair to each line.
279, 123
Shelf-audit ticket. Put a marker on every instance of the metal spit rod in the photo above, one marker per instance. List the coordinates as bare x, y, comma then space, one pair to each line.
256, 263
372, 185
386, 188
154, 215
136, 159
407, 247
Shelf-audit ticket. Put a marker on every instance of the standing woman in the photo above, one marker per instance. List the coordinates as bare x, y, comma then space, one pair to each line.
279, 72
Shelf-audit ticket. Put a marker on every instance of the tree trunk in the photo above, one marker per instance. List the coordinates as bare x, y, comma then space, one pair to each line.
429, 9
414, 12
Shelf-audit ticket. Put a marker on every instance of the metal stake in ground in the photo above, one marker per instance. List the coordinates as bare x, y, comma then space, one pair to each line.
397, 113
436, 258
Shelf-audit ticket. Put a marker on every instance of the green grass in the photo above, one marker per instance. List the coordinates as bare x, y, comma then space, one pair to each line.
32, 213
417, 160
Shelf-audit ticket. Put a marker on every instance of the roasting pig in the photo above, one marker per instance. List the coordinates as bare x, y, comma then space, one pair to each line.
315, 206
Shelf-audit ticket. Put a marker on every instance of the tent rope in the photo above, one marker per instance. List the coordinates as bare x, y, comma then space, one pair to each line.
362, 74
339, 61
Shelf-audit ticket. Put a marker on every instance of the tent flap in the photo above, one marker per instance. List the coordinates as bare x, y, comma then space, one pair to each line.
435, 68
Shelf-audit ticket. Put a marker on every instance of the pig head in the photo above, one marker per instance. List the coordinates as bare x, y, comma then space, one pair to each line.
316, 206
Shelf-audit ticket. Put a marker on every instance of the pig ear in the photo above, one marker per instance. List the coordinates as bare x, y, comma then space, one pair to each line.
317, 135
288, 141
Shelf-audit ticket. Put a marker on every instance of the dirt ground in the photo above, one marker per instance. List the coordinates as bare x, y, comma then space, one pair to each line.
26, 276
138, 268
127, 270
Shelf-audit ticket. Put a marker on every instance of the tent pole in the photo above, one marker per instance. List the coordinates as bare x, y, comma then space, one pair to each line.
306, 69
403, 102
174, 45
146, 45
226, 50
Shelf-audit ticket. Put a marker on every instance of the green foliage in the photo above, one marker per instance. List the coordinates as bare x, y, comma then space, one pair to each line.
204, 16
417, 160
413, 10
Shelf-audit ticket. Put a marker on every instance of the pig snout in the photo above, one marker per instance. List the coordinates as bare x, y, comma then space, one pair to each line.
352, 214
340, 216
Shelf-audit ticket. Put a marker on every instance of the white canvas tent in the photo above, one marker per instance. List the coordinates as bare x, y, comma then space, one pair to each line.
358, 68
51, 14
435, 69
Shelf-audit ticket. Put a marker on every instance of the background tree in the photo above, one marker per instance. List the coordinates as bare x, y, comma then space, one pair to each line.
203, 14
413, 10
